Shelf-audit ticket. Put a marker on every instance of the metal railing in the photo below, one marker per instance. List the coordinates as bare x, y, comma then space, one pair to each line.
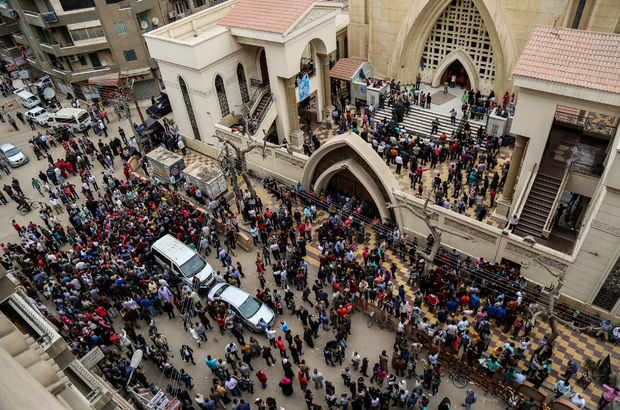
526, 193
551, 216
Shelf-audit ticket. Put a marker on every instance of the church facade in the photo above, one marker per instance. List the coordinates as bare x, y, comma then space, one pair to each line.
404, 38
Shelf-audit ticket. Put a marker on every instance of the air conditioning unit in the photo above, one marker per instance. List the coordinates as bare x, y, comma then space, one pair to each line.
74, 58
172, 14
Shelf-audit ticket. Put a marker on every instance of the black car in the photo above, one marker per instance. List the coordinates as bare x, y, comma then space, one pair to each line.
160, 108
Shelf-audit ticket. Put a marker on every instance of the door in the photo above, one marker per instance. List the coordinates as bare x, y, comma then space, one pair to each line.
263, 67
94, 60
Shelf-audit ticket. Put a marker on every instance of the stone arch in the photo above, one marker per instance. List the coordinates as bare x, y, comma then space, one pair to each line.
420, 20
362, 161
467, 63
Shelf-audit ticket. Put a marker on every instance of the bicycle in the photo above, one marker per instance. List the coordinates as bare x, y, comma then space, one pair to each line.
383, 322
25, 210
458, 379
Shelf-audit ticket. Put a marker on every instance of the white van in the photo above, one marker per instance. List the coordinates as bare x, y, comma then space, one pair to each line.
28, 99
77, 118
184, 261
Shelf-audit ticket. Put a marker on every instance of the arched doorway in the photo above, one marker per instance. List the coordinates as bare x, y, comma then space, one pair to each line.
456, 69
344, 164
264, 72
346, 183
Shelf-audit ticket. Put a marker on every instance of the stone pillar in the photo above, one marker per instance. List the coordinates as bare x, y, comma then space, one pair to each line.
505, 199
296, 135
327, 90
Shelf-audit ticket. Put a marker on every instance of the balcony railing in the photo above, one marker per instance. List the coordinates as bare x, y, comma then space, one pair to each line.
585, 123
43, 20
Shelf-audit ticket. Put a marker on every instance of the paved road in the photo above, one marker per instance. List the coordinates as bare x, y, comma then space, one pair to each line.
368, 342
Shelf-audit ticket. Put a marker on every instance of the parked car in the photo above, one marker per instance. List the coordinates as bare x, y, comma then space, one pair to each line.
184, 261
160, 108
43, 82
246, 306
14, 156
39, 115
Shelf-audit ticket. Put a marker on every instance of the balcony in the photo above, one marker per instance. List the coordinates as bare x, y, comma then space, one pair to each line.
43, 20
7, 12
141, 5
60, 50
78, 16
8, 29
20, 38
82, 75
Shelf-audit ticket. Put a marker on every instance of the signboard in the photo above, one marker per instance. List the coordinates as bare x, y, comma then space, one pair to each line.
93, 357
303, 84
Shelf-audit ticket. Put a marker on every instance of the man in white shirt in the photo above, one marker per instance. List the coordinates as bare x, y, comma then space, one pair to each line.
578, 400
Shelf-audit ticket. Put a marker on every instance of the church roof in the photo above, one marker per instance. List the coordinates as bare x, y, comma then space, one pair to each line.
575, 57
345, 68
274, 16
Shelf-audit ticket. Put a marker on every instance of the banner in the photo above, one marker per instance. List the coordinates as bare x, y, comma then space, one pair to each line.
303, 84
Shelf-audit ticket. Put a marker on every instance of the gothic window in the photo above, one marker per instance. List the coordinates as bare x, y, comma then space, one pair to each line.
609, 294
460, 26
221, 96
189, 108
243, 85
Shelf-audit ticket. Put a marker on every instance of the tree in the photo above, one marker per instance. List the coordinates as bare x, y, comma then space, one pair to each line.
240, 156
548, 311
435, 231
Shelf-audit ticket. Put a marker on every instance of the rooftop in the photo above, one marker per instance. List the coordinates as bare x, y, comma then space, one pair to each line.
574, 57
345, 68
273, 16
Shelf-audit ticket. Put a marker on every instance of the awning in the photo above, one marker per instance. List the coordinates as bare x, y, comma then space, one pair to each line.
345, 68
137, 71
110, 80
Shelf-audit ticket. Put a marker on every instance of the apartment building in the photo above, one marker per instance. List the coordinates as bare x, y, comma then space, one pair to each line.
38, 366
88, 45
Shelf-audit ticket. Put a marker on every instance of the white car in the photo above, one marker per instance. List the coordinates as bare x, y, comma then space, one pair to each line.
39, 115
14, 156
246, 306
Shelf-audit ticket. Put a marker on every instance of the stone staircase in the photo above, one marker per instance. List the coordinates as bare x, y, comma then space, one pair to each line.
538, 205
259, 112
419, 120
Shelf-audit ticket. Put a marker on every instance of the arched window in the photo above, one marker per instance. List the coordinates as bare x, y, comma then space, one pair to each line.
221, 96
189, 108
243, 85
337, 50
346, 47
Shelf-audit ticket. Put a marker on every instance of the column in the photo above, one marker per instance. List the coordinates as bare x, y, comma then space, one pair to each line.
296, 136
327, 89
505, 199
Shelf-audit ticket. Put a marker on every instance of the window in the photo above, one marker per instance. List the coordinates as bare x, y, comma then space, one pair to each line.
199, 3
181, 7
82, 59
243, 85
87, 33
121, 27
68, 5
130, 55
189, 108
609, 294
221, 96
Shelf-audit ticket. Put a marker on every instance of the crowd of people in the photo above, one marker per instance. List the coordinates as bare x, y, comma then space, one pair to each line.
473, 179
97, 283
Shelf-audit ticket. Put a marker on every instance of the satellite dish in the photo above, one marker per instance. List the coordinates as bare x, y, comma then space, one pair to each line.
49, 93
104, 63
144, 25
155, 21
